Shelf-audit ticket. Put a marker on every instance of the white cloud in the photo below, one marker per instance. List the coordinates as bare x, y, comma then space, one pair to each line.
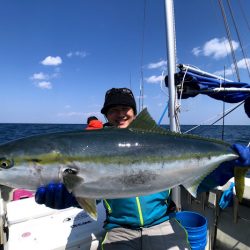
226, 72
154, 79
196, 51
161, 64
81, 54
230, 70
242, 63
52, 61
39, 76
216, 48
44, 85
41, 80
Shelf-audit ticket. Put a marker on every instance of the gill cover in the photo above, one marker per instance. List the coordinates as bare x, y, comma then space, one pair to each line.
71, 180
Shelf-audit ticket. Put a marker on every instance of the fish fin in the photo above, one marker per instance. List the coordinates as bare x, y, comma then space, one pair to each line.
71, 179
145, 122
239, 179
191, 188
89, 206
192, 185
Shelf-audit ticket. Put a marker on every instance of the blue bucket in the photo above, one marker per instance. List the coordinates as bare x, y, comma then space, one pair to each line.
196, 227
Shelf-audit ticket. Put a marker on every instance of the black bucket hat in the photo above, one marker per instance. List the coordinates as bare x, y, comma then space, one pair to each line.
118, 96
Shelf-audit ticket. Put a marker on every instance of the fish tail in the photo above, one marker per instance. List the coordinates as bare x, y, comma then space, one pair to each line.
239, 178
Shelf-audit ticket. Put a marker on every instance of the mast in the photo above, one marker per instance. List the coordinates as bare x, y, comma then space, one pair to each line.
171, 55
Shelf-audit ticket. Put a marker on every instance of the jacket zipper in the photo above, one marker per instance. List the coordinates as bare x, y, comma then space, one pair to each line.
139, 211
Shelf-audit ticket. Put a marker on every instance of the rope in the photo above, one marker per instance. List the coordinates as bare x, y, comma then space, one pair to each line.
164, 112
238, 35
223, 121
166, 108
182, 82
244, 15
141, 104
229, 39
177, 107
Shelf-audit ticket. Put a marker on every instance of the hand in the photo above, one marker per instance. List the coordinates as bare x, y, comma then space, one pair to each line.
244, 155
55, 195
227, 197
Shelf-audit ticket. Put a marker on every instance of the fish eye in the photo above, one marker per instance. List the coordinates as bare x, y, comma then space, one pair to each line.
5, 163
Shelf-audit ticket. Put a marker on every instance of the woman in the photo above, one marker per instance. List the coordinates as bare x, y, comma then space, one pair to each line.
138, 222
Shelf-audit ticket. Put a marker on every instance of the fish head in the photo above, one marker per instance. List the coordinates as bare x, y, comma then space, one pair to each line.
15, 173
26, 167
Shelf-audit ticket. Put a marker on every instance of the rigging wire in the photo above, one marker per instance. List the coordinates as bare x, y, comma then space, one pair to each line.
166, 93
238, 36
223, 120
130, 81
229, 39
218, 17
163, 84
227, 112
141, 97
244, 15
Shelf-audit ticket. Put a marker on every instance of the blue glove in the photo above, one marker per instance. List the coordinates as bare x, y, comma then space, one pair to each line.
226, 199
244, 155
55, 195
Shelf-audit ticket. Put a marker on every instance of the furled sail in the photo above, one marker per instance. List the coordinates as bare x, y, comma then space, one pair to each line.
191, 81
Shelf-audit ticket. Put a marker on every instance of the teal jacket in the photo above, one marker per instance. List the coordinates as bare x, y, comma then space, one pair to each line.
136, 212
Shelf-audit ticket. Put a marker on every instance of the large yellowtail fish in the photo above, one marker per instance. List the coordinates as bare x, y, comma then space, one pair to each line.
112, 163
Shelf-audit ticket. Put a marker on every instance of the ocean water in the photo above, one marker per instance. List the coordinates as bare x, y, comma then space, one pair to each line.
232, 133
229, 133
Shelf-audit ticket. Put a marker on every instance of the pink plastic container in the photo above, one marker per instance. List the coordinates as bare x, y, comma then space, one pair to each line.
19, 194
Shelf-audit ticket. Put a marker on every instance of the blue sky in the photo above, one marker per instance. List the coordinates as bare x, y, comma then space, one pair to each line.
59, 57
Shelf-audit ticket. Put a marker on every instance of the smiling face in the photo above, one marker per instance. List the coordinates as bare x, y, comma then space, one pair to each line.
120, 116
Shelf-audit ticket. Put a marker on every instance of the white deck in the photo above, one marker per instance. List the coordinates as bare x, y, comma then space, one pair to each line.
33, 226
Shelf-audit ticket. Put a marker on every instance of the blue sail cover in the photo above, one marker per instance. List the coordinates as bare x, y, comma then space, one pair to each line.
198, 83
